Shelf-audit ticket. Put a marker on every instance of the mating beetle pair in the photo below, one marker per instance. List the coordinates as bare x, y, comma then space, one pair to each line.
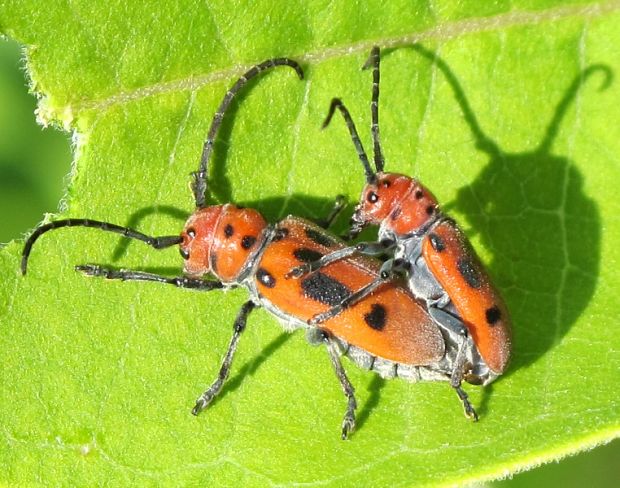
447, 324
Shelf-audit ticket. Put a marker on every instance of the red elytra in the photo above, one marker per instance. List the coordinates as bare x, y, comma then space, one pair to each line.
389, 332
429, 248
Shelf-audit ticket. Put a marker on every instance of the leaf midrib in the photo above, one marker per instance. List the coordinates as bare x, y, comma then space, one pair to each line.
442, 32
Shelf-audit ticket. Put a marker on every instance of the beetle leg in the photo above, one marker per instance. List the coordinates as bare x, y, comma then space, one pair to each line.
306, 268
207, 397
368, 248
348, 422
339, 205
454, 326
384, 274
455, 382
135, 275
449, 322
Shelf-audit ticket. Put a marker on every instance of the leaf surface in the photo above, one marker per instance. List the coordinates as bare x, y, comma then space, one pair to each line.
509, 114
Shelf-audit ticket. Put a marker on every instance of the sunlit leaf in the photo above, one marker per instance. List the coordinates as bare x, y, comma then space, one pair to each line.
509, 114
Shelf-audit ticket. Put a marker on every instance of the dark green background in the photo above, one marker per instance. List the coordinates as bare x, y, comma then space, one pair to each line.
33, 167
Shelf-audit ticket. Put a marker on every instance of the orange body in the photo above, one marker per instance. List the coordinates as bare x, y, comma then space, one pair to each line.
407, 213
389, 323
458, 270
235, 244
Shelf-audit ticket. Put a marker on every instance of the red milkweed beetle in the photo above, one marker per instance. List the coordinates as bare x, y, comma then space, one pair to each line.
389, 332
429, 248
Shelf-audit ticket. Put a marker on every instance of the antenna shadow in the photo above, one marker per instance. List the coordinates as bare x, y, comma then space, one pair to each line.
529, 208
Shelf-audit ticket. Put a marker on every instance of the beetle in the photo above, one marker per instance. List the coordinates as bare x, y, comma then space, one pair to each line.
426, 246
389, 332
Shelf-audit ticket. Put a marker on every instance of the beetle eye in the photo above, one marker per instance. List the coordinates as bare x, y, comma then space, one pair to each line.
191, 232
184, 253
385, 184
372, 197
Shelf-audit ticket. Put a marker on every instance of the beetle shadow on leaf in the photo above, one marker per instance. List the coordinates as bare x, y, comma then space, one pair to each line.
250, 367
544, 232
138, 216
374, 388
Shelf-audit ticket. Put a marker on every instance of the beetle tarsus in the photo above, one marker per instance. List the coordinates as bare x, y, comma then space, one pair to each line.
470, 412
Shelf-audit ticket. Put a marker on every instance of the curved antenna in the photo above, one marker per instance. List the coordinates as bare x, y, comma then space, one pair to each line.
155, 242
199, 186
569, 96
337, 103
373, 61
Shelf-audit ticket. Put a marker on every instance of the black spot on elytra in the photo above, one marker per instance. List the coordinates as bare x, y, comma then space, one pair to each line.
324, 289
247, 242
306, 255
376, 317
265, 278
319, 238
396, 213
280, 234
469, 272
228, 231
493, 315
437, 242
430, 209
419, 194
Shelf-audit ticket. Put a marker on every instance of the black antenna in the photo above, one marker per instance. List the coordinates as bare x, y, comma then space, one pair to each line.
199, 186
373, 61
155, 242
337, 103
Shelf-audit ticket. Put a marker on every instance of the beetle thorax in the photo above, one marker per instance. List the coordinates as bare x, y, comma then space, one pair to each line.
397, 202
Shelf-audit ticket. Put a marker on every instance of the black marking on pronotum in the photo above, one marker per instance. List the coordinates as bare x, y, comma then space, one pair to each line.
493, 315
396, 213
247, 242
228, 231
306, 255
319, 238
264, 277
469, 272
437, 242
280, 233
324, 289
376, 317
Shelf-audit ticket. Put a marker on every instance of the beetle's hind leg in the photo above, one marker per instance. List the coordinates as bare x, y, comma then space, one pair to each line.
457, 378
348, 422
455, 327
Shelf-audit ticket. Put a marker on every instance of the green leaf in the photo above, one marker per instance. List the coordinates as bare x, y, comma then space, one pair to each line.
514, 127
